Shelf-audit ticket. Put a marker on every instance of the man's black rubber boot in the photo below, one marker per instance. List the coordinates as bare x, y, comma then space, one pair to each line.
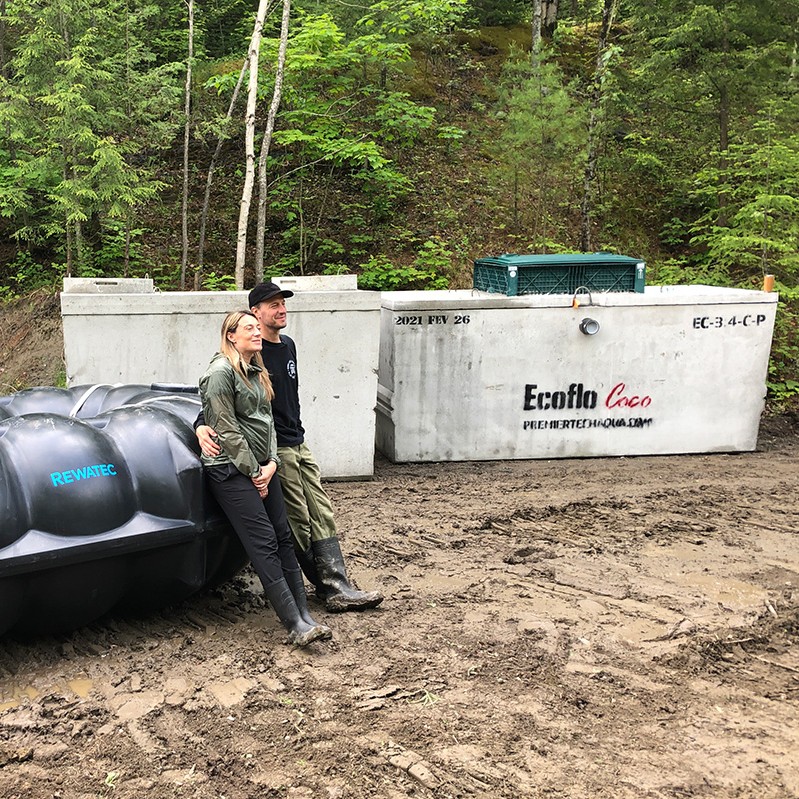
301, 633
308, 565
339, 594
297, 588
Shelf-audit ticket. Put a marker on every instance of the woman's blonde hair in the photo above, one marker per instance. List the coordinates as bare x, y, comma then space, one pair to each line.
230, 325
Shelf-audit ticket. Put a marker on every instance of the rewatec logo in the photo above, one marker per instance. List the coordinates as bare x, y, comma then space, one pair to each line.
83, 473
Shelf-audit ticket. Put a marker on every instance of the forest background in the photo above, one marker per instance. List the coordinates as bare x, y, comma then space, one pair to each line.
400, 141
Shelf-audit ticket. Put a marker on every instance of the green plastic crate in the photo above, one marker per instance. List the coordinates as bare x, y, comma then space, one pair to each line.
558, 274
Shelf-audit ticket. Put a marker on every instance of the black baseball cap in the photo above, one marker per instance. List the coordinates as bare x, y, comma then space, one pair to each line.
265, 291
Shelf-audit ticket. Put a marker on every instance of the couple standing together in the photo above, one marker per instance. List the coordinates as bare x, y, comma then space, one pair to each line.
249, 432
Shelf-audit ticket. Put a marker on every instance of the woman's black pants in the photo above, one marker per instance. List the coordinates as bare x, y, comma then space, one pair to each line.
260, 524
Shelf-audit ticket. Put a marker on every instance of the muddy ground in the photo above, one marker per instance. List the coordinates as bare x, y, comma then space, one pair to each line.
590, 629
618, 627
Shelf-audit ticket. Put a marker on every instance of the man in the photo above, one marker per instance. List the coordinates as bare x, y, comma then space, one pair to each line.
308, 506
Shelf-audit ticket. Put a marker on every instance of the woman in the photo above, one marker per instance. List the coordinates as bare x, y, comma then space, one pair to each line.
236, 394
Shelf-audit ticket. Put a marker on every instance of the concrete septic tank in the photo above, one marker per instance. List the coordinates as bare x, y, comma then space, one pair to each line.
151, 337
467, 375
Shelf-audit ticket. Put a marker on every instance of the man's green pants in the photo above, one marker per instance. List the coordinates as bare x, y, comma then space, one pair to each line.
308, 507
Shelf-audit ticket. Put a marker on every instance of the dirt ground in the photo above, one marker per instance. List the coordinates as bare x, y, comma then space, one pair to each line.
591, 629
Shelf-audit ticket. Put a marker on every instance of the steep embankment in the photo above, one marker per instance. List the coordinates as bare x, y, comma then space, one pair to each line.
31, 342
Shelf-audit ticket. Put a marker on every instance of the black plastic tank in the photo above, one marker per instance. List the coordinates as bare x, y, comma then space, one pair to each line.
103, 505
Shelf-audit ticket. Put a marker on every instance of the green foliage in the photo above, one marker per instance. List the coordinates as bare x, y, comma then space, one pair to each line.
60, 379
114, 247
163, 27
328, 247
751, 201
681, 271
214, 282
783, 373
435, 260
379, 274
223, 27
498, 12
335, 269
452, 137
428, 271
400, 120
406, 17
541, 144
335, 129
701, 73
24, 275
84, 101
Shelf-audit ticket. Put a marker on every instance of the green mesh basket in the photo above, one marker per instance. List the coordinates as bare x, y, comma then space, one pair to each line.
513, 275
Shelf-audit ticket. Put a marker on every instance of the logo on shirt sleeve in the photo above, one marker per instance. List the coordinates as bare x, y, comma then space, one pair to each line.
291, 368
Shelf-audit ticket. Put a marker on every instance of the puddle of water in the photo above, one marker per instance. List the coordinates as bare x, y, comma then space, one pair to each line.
16, 695
682, 564
724, 589
12, 695
81, 686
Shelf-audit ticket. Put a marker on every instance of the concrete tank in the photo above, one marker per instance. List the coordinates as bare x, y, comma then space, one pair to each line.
128, 333
467, 375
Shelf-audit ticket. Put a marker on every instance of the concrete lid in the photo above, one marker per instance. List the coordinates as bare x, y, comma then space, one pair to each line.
318, 283
204, 302
108, 285
652, 296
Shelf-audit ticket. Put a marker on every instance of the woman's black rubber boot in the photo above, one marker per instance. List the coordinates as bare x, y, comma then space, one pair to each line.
301, 633
297, 588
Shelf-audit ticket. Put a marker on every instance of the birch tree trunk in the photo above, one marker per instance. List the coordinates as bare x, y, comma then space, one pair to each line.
186, 131
536, 38
249, 143
80, 256
267, 140
70, 266
589, 177
724, 129
549, 21
128, 222
210, 178
3, 68
12, 148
